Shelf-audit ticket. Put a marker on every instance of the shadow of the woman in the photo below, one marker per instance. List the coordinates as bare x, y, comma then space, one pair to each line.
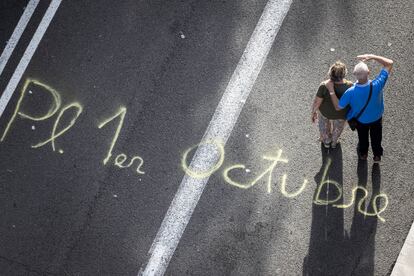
331, 250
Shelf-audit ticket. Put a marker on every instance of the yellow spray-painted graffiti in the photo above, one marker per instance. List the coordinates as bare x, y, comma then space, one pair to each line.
17, 112
362, 210
55, 106
219, 145
291, 195
121, 113
269, 171
327, 182
120, 158
195, 174
53, 137
360, 204
269, 183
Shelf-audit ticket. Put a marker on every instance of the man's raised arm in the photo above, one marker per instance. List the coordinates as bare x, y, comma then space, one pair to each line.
386, 62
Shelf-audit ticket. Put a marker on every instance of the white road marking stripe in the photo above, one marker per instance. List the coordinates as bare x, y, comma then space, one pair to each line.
220, 128
17, 33
28, 54
405, 265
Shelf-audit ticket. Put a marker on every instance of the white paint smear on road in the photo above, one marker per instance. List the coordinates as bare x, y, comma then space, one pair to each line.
220, 128
28, 54
17, 33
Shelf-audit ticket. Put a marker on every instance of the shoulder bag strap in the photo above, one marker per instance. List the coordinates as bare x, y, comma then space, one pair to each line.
366, 104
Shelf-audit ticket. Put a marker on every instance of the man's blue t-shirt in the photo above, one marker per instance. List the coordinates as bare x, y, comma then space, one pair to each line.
357, 95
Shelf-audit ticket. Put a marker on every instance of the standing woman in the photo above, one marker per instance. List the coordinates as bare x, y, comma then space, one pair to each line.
330, 121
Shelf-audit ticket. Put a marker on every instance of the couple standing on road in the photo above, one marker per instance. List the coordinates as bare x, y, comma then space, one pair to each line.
361, 103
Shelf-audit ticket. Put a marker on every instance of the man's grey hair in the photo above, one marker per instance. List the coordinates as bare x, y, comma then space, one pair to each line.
361, 69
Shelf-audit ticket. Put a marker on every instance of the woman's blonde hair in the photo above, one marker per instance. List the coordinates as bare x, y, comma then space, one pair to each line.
337, 71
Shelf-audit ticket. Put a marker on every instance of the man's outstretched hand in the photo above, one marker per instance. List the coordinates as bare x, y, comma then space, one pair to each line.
329, 85
386, 62
364, 58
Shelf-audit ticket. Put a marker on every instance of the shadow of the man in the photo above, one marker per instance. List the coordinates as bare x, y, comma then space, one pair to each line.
364, 228
331, 250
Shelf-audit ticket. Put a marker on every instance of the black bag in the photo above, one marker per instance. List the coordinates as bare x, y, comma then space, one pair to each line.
353, 122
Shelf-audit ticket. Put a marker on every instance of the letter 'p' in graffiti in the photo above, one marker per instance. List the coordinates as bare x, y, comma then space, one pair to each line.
18, 112
54, 107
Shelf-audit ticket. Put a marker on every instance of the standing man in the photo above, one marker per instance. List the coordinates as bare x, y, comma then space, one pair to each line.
370, 121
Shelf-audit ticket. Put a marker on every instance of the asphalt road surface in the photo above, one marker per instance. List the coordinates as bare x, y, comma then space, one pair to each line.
115, 94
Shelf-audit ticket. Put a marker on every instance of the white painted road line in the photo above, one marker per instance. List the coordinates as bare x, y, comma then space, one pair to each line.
220, 128
28, 54
17, 33
405, 262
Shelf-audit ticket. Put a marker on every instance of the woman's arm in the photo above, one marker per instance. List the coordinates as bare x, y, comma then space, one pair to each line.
316, 104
